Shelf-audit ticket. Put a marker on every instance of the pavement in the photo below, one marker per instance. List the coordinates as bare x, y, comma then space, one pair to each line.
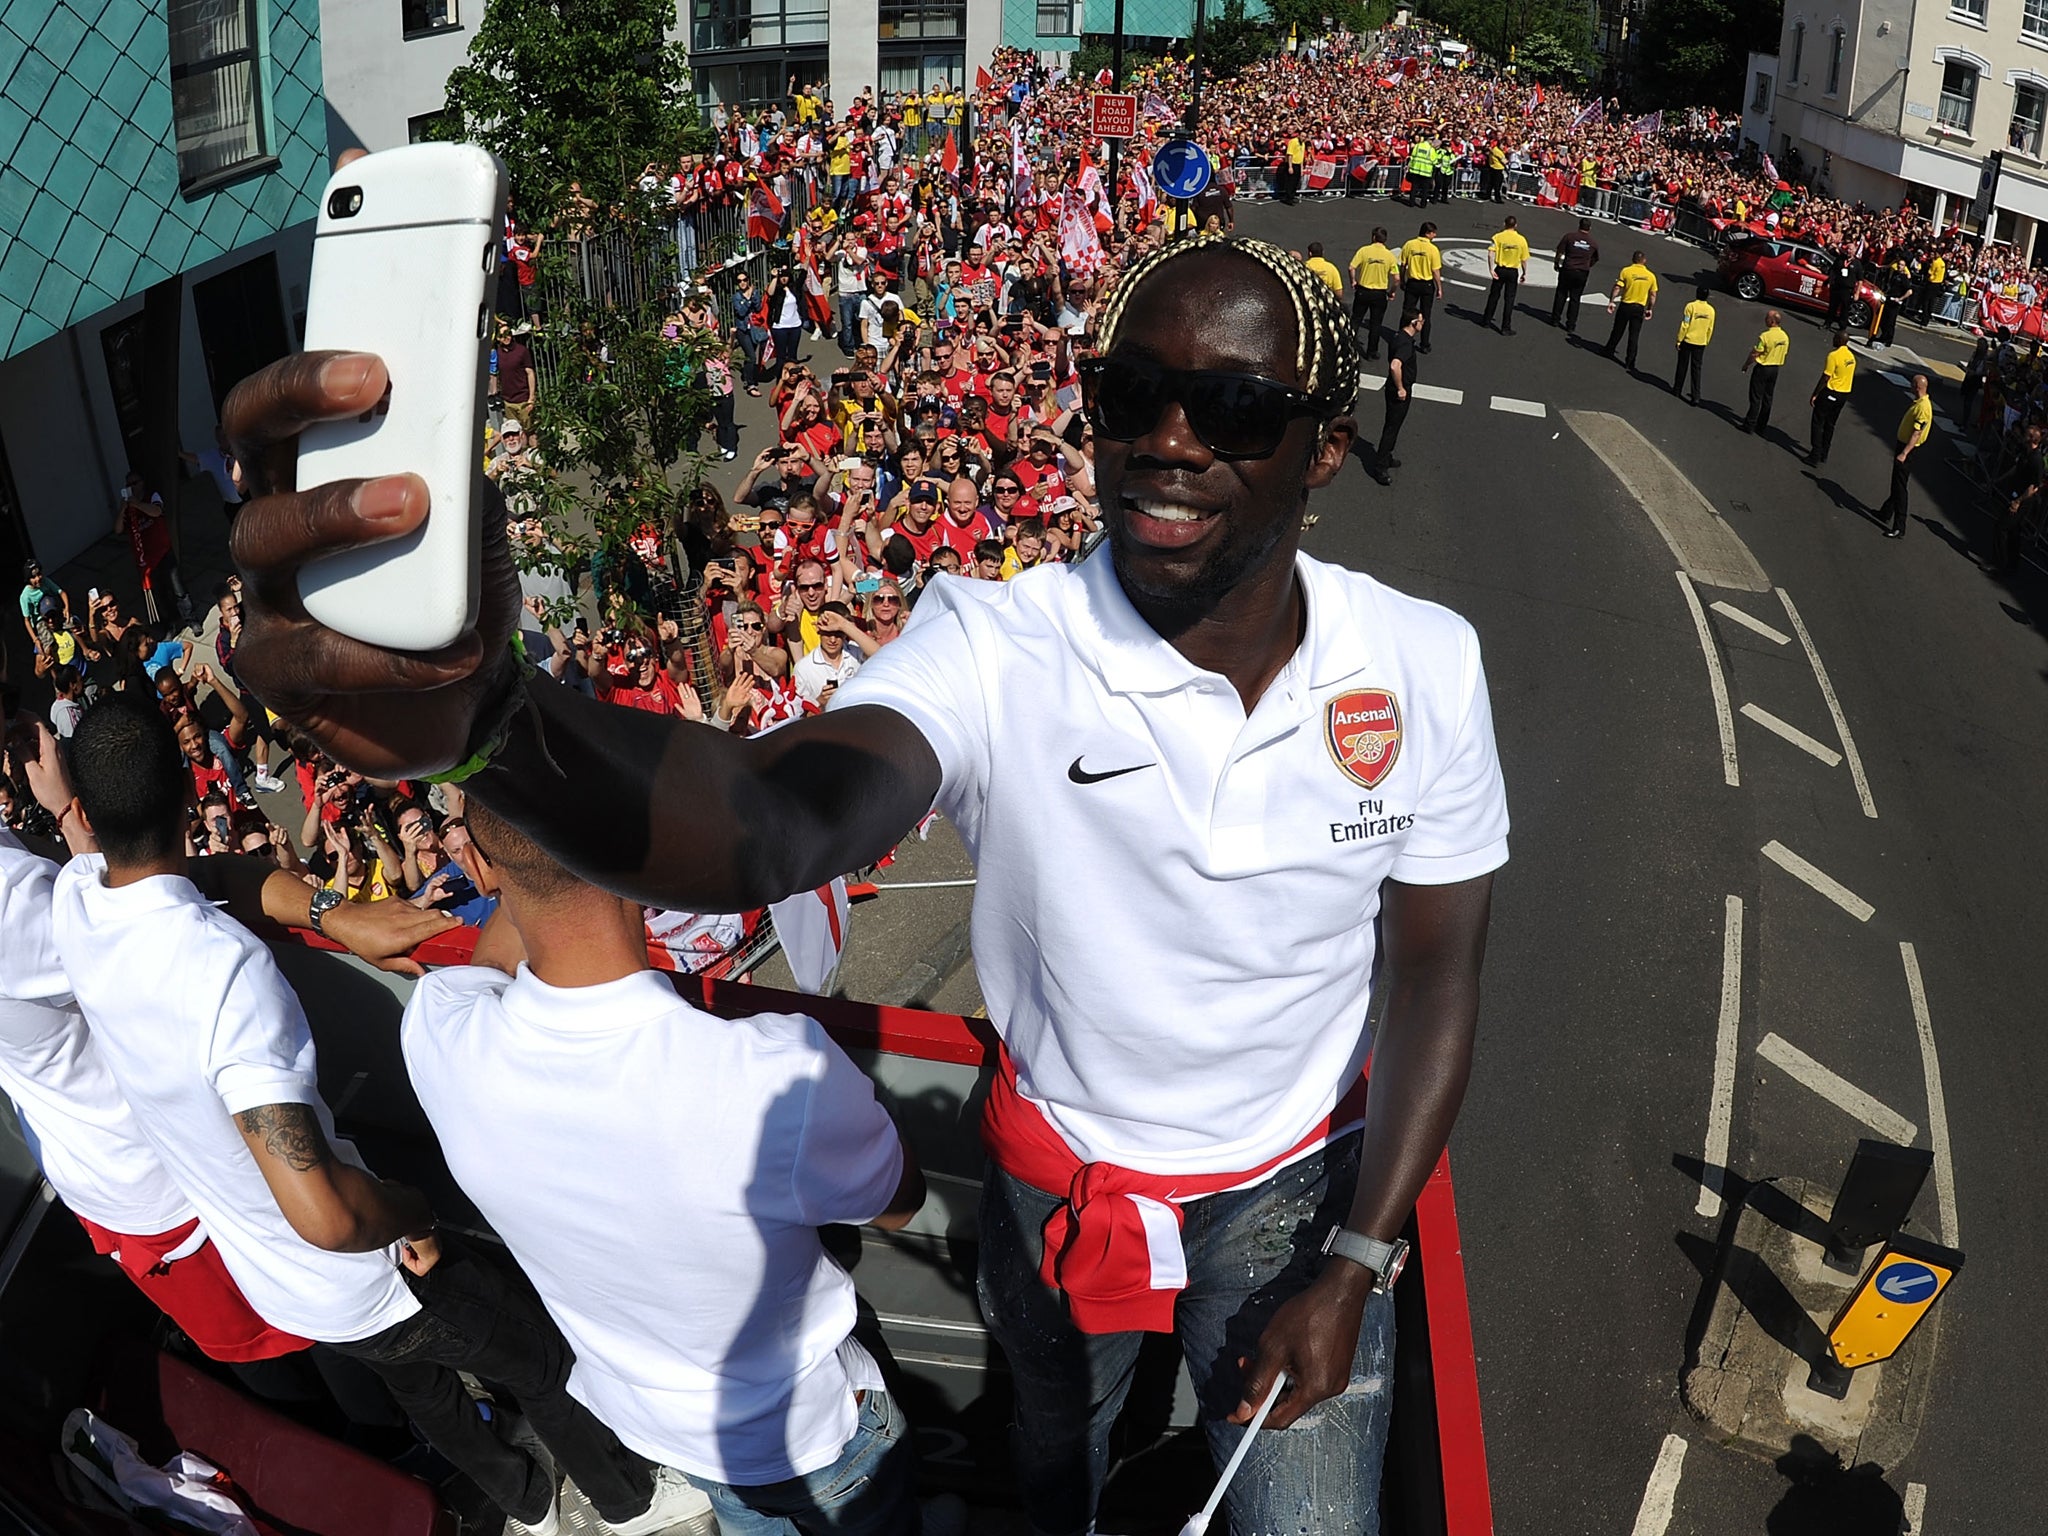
1774, 884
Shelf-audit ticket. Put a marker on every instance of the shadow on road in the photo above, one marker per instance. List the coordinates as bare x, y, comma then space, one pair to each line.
1829, 1499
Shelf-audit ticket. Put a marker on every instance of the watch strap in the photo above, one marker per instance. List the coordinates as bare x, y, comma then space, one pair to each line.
323, 902
1382, 1258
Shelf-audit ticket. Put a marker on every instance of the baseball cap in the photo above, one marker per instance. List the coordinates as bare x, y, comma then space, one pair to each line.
924, 492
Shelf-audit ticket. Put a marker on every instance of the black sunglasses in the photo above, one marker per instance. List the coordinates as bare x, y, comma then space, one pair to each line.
1238, 415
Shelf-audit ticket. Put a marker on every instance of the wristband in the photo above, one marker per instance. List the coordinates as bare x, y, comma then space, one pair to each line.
493, 731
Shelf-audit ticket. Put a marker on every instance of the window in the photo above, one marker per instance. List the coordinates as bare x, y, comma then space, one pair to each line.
2034, 18
429, 16
1057, 18
418, 130
2029, 109
921, 18
1972, 10
1761, 101
1958, 95
722, 24
922, 71
1798, 49
1836, 47
216, 91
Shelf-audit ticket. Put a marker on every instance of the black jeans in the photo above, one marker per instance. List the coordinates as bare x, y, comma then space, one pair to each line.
1390, 434
1627, 318
476, 1317
1827, 410
1420, 296
1505, 282
1763, 388
1895, 504
1689, 359
1369, 315
1564, 308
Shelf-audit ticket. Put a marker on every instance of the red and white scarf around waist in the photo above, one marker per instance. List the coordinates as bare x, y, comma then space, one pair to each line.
1112, 1245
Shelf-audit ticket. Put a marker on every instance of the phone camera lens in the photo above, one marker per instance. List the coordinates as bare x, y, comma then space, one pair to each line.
344, 202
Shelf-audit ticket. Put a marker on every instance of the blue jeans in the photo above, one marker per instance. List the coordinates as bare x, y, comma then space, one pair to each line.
686, 246
849, 322
1248, 1251
870, 1491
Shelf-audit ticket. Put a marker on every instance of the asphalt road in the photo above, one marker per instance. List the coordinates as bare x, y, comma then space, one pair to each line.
1579, 1156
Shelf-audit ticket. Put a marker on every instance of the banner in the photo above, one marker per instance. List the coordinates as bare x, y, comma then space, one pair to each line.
812, 927
1321, 173
764, 215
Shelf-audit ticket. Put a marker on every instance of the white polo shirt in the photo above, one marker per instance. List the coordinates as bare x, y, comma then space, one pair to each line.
196, 1024
660, 1175
78, 1126
1175, 921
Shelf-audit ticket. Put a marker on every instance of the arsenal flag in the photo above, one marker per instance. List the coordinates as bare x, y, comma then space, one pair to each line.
949, 162
982, 78
764, 214
812, 927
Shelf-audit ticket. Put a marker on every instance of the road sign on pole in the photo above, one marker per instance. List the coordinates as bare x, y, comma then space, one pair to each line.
1894, 1295
1112, 116
1182, 168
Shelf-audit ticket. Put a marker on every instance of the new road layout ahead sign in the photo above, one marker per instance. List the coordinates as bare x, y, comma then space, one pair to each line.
1112, 116
1181, 168
1899, 1290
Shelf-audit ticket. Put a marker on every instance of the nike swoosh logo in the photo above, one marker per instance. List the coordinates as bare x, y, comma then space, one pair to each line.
1081, 775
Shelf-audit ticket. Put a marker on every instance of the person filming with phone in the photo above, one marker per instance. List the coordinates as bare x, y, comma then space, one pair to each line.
1199, 730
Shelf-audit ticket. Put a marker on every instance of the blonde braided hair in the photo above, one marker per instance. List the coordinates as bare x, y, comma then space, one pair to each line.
1326, 351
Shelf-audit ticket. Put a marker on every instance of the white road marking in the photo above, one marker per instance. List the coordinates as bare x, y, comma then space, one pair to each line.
1438, 392
1916, 1510
1792, 733
1937, 1104
918, 885
1819, 879
1730, 611
1895, 378
1715, 681
1660, 1496
1837, 1090
1721, 1108
1520, 407
1373, 380
1827, 692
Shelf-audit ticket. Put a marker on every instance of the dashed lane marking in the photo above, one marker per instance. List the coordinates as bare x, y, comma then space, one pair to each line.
1827, 692
1660, 1495
1836, 1089
1373, 380
1721, 1108
1792, 733
1520, 407
1915, 1522
1937, 1106
1438, 392
1731, 612
1819, 879
1731, 773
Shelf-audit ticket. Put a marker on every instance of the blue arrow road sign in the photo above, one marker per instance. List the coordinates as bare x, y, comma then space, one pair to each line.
1906, 1282
1181, 168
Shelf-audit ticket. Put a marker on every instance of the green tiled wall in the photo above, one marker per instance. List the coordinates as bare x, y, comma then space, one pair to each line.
1142, 18
89, 205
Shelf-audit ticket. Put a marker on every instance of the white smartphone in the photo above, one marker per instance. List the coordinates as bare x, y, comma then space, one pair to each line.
405, 263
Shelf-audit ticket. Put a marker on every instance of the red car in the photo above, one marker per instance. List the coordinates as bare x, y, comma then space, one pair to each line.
1791, 272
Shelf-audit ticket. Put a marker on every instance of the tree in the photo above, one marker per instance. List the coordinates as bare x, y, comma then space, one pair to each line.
1695, 52
1543, 57
586, 91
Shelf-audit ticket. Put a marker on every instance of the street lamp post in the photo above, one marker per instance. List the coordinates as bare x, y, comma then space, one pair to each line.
1195, 91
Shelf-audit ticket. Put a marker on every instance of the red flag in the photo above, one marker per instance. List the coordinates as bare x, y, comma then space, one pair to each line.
949, 162
764, 215
982, 78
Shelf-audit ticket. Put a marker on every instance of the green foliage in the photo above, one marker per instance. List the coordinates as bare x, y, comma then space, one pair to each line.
1543, 57
1695, 52
1094, 56
621, 406
573, 90
1233, 41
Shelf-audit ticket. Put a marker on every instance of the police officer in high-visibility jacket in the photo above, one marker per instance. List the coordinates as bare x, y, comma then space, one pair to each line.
1510, 253
1446, 172
1422, 282
1421, 168
1695, 330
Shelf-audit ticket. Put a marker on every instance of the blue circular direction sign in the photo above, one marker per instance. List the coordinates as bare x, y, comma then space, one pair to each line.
1181, 168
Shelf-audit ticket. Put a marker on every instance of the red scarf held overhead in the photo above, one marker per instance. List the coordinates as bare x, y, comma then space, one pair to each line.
1112, 1245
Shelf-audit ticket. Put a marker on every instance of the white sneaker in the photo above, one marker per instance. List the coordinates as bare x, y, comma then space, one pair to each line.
677, 1503
268, 783
549, 1524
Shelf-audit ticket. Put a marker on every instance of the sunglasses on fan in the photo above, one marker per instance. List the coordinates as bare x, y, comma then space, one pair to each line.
1238, 415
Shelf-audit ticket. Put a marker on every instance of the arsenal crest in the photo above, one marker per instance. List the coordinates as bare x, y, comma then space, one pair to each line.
1364, 733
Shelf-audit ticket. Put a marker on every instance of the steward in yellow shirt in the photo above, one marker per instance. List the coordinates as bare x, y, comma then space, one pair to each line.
1377, 272
1510, 252
1635, 295
1830, 394
1323, 267
1914, 428
1695, 330
1765, 362
1635, 283
1422, 266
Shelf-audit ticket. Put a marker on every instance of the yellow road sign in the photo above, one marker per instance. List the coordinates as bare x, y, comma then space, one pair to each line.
1888, 1304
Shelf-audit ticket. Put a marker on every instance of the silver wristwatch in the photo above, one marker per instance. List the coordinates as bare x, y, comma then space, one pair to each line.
323, 902
1385, 1260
